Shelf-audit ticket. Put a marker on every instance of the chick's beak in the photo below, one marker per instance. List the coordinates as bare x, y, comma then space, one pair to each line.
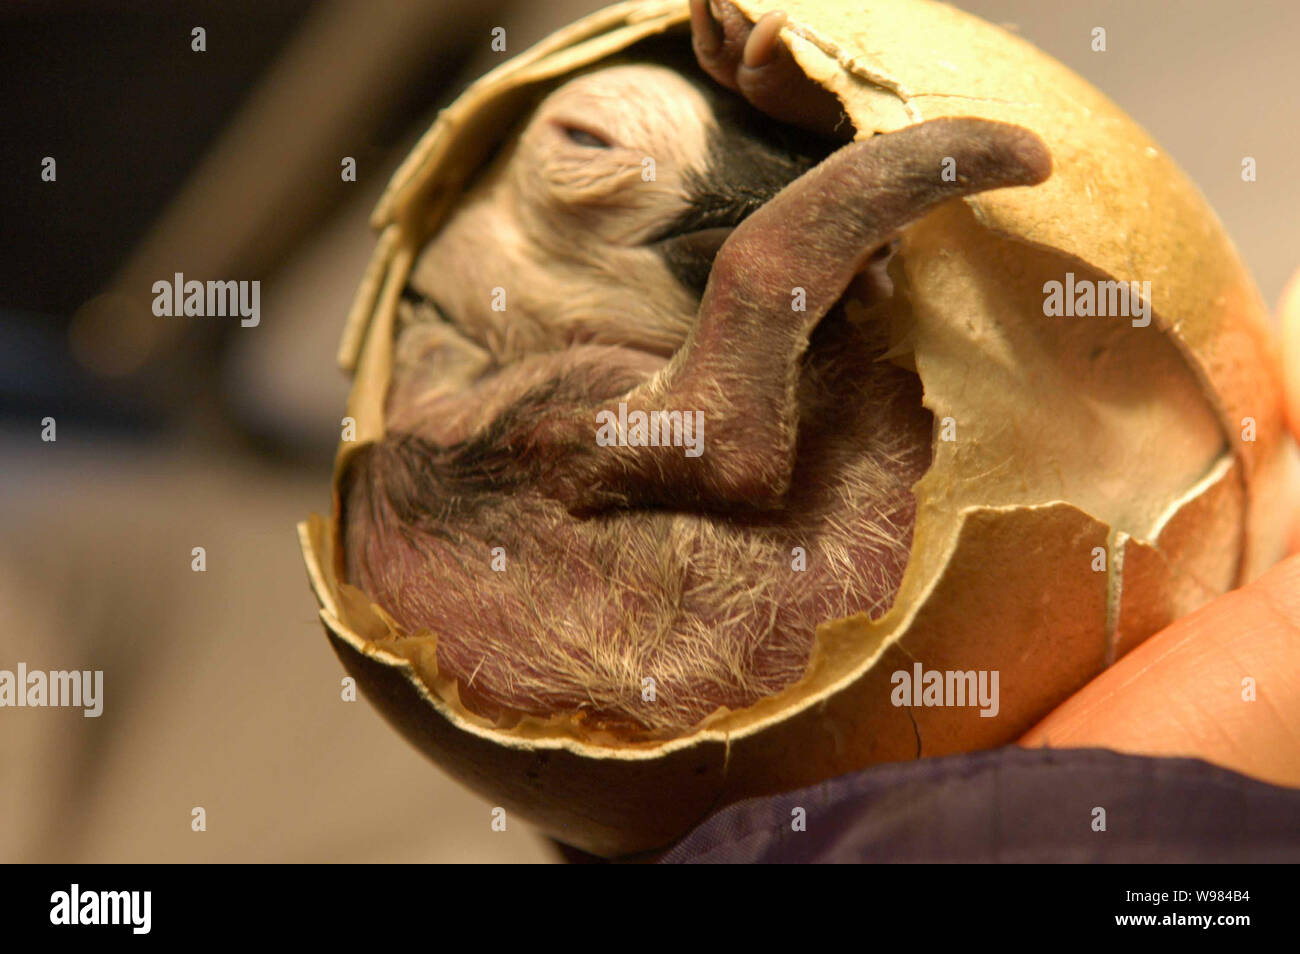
689, 255
749, 162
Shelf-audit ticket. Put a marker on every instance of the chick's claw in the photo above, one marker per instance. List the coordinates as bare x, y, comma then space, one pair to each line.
750, 59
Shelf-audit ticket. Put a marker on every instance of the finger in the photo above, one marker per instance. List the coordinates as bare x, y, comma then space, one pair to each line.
1222, 684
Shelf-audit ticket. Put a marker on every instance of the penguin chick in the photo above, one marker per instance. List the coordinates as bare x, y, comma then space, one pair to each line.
627, 559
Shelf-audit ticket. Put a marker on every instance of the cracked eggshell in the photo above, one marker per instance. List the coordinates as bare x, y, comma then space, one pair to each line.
1092, 478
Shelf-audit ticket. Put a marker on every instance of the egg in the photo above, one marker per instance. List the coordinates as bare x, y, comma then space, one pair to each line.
1109, 445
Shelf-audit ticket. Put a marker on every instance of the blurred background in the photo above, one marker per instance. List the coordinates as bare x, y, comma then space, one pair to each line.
220, 689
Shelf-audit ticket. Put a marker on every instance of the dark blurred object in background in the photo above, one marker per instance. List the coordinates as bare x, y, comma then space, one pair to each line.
115, 94
215, 163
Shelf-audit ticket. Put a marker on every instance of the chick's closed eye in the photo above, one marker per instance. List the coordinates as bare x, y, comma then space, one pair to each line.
584, 137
